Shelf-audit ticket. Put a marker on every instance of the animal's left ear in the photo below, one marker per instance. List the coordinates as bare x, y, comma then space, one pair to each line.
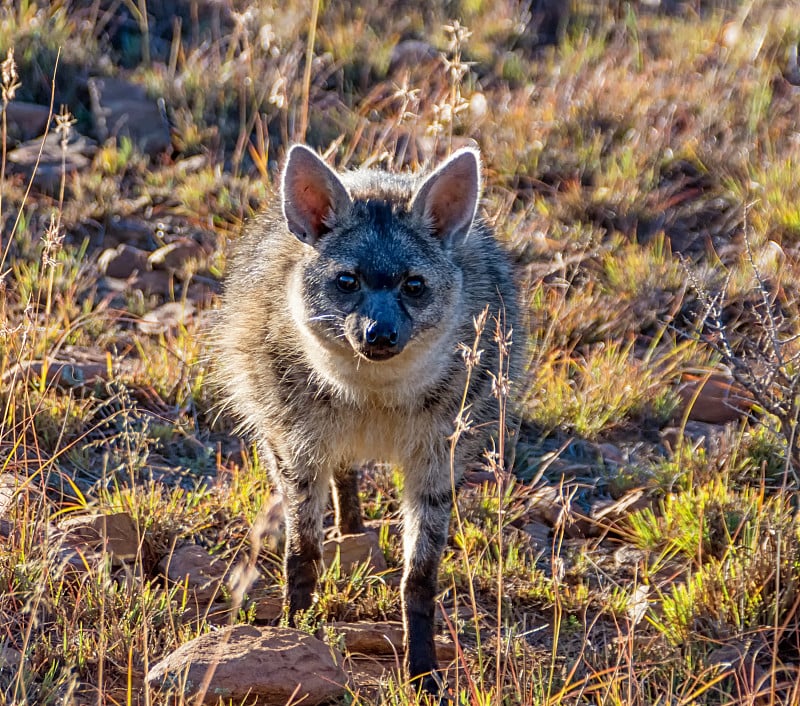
448, 199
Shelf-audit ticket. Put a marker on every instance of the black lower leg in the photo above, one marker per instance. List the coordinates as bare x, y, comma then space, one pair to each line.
347, 504
419, 593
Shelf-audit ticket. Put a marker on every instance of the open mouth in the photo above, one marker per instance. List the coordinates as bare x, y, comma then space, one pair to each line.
378, 354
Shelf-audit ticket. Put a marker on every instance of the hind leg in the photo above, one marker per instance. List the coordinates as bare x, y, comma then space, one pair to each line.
346, 502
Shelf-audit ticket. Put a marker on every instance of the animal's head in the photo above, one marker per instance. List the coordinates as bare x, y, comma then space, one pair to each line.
380, 275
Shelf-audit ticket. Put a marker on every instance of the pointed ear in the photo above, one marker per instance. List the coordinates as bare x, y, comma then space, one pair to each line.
312, 194
448, 199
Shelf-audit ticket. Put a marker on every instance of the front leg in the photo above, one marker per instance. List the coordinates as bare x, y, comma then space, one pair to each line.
427, 503
305, 494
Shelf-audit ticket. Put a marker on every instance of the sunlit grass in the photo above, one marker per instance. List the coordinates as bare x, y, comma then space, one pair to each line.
579, 142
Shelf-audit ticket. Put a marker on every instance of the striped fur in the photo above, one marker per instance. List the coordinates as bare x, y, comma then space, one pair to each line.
295, 356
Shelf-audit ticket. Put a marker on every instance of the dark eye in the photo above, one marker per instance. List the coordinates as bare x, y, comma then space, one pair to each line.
347, 282
414, 286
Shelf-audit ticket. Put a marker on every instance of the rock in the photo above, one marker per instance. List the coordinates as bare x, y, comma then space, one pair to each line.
630, 557
7, 529
609, 509
612, 454
212, 583
177, 254
10, 485
713, 438
130, 231
218, 613
412, 53
26, 120
191, 165
201, 573
63, 374
268, 608
714, 399
55, 160
118, 534
151, 282
202, 292
123, 261
549, 506
123, 109
10, 658
540, 534
248, 664
446, 649
74, 367
265, 608
370, 674
385, 638
393, 528
355, 549
638, 603
364, 637
480, 477
167, 316
749, 664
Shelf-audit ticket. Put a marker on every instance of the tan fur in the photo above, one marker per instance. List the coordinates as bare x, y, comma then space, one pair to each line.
338, 343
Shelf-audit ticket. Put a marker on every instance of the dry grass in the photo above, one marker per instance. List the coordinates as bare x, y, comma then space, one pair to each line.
643, 175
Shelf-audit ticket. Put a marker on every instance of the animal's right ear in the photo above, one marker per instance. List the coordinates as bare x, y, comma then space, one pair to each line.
312, 194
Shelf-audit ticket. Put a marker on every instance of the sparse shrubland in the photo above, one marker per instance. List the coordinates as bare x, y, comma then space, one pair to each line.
641, 167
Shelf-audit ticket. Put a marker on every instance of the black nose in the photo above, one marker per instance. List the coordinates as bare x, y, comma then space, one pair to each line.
381, 334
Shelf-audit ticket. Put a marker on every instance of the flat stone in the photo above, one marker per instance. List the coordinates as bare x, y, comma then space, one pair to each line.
413, 52
54, 162
609, 509
123, 109
540, 534
547, 506
201, 573
166, 317
254, 665
117, 534
714, 399
364, 637
384, 638
65, 374
202, 293
177, 254
26, 120
355, 549
158, 282
268, 608
370, 673
75, 366
480, 477
122, 261
10, 658
129, 231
